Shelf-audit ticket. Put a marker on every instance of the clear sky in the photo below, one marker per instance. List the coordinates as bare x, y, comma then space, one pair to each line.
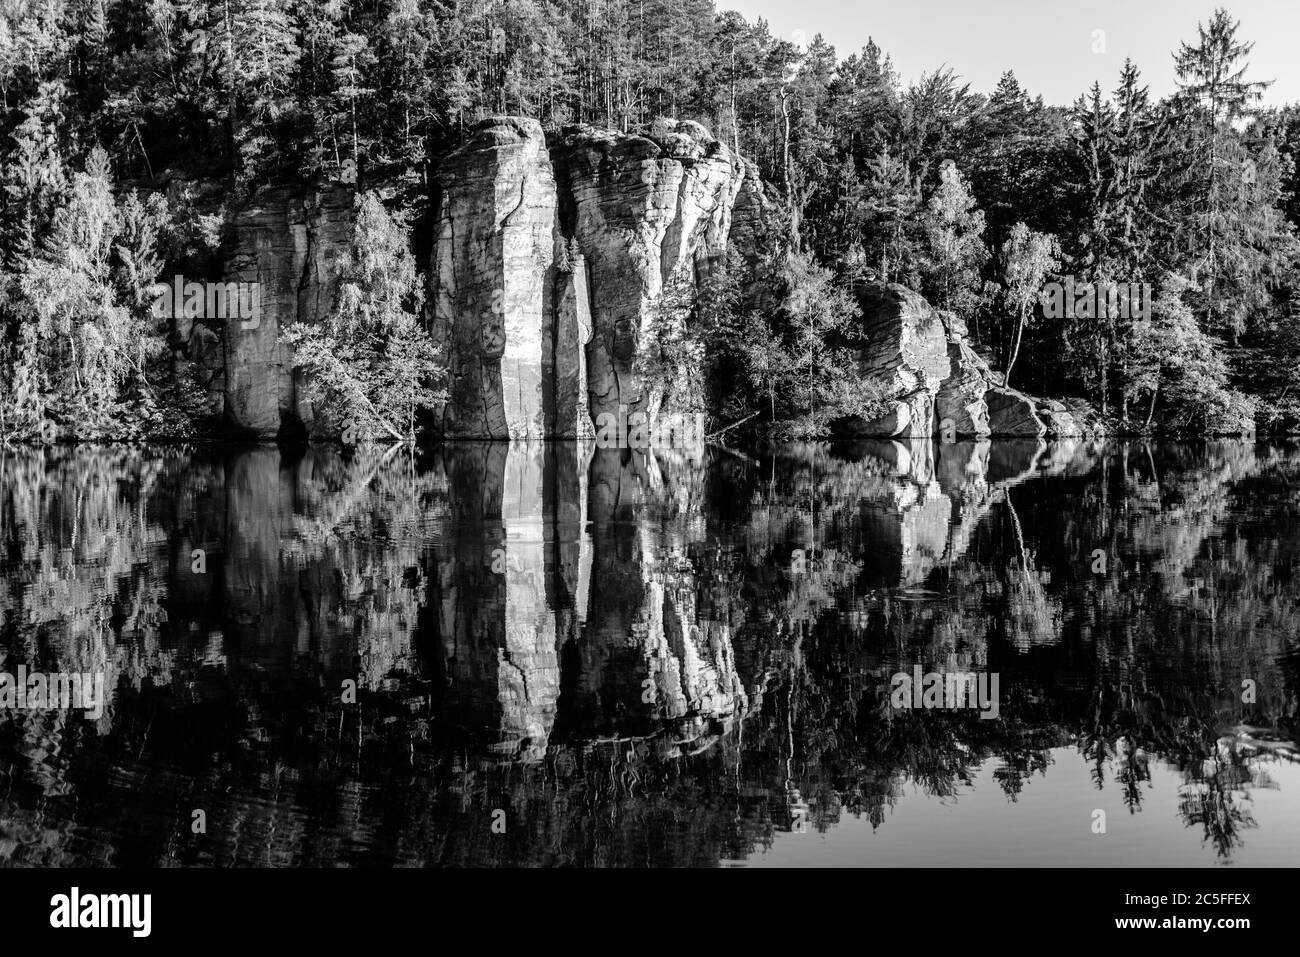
1048, 43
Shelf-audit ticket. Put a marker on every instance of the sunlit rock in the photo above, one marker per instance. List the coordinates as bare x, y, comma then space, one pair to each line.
490, 281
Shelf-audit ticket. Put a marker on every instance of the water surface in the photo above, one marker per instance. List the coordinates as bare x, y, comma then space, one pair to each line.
568, 656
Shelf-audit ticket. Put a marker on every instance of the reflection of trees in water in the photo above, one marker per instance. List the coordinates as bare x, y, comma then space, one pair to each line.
792, 588
1147, 615
359, 526
1215, 801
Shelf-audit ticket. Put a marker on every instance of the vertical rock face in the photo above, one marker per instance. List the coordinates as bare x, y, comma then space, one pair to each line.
650, 214
558, 265
907, 350
291, 246
198, 347
492, 270
754, 217
960, 404
562, 270
556, 269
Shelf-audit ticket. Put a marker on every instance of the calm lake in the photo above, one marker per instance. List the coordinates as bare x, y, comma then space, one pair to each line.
494, 654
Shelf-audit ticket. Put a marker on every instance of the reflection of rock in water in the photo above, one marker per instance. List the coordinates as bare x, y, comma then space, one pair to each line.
528, 669
496, 629
263, 597
916, 503
643, 656
622, 578
534, 575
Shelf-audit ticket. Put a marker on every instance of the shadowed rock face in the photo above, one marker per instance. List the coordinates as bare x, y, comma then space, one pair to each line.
1013, 413
907, 350
291, 246
961, 398
755, 225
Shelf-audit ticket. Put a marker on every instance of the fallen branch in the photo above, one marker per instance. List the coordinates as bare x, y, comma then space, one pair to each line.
714, 435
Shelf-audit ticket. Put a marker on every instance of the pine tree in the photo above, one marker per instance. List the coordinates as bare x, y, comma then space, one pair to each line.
1216, 93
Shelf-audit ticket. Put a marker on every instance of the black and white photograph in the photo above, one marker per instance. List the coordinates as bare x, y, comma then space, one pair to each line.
642, 435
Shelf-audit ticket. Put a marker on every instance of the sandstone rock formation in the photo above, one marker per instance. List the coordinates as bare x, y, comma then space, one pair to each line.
290, 245
961, 400
938, 384
1013, 414
493, 262
555, 263
650, 214
558, 264
907, 350
755, 221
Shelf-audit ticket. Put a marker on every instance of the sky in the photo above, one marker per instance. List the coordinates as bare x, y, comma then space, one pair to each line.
1054, 46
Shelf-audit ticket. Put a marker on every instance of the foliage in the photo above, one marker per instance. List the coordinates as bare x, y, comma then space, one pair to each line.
369, 368
922, 183
83, 361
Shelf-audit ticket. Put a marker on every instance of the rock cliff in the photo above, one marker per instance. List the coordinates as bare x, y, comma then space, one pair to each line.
558, 261
290, 244
493, 266
555, 260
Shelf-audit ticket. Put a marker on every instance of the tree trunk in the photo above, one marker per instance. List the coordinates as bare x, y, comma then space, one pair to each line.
735, 120
791, 205
231, 125
1015, 350
1105, 382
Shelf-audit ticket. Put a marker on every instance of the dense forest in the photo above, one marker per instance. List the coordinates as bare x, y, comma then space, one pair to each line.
130, 131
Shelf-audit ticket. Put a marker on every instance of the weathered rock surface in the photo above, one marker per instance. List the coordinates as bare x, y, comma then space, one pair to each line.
1013, 414
755, 220
492, 264
907, 351
650, 214
566, 385
291, 245
960, 405
937, 384
555, 263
